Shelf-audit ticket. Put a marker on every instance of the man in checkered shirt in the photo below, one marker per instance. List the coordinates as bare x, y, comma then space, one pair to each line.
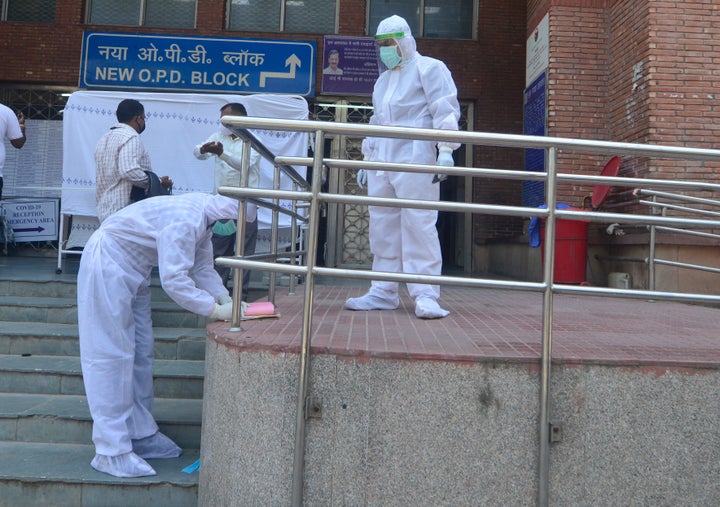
121, 160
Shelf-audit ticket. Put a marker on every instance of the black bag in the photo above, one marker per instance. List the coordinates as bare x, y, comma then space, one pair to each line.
154, 189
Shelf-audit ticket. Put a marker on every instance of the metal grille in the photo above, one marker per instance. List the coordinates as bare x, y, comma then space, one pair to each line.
254, 15
35, 104
42, 11
322, 112
170, 13
406, 9
300, 16
353, 247
448, 19
310, 16
452, 19
112, 12
157, 13
355, 219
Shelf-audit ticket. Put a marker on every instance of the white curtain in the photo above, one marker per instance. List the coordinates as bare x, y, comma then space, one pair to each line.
176, 122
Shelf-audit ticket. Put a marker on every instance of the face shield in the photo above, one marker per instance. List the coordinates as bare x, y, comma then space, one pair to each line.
389, 51
394, 33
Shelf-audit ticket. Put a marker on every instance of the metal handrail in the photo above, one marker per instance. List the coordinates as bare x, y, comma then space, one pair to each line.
550, 214
250, 140
654, 204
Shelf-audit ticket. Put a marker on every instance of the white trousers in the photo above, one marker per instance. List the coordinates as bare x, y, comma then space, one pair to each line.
404, 240
116, 350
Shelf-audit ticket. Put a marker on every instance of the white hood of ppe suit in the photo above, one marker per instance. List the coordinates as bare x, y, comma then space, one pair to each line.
219, 207
396, 24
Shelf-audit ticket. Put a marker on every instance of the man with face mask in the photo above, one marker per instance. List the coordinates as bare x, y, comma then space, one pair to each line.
414, 91
121, 160
227, 148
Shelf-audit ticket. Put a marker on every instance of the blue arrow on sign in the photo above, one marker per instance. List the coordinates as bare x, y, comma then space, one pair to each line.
32, 229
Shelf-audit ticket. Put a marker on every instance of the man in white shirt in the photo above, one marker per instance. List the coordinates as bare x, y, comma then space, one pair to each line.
12, 127
228, 151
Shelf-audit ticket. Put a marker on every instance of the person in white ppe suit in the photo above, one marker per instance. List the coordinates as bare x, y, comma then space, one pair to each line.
414, 91
116, 339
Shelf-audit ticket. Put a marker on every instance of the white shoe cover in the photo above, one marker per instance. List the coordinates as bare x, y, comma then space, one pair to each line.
157, 446
428, 308
373, 301
125, 465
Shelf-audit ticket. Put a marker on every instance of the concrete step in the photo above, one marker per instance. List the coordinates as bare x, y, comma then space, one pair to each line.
52, 339
16, 286
47, 288
173, 378
45, 423
64, 311
66, 419
34, 474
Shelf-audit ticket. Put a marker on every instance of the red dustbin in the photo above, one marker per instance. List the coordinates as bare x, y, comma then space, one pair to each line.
571, 235
570, 249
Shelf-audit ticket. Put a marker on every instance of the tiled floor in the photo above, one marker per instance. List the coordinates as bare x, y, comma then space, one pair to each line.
484, 324
498, 325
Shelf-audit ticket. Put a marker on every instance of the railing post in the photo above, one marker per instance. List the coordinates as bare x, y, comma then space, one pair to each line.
274, 234
546, 359
651, 253
240, 241
299, 454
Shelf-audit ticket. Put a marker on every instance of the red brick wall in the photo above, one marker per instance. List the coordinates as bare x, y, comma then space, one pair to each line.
578, 88
682, 78
642, 72
495, 80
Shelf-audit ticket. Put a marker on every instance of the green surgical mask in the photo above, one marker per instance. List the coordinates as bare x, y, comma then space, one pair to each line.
226, 228
390, 56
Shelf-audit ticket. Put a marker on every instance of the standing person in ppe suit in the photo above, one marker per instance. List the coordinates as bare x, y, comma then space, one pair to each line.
116, 339
414, 91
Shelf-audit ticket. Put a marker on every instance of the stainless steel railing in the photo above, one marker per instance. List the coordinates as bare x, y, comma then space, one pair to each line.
663, 207
313, 198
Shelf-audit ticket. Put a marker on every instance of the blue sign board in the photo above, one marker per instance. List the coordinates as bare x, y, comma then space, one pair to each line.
534, 124
198, 64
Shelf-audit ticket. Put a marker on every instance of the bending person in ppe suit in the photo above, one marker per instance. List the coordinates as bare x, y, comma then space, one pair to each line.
116, 339
414, 91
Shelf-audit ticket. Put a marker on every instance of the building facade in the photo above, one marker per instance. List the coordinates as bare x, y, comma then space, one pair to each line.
631, 71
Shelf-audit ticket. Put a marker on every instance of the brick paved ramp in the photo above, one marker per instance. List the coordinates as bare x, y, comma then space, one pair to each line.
499, 325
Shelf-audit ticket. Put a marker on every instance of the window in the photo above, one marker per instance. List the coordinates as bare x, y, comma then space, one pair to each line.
42, 11
295, 16
152, 13
436, 19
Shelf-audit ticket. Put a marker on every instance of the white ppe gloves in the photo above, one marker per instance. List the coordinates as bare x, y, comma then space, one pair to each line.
445, 156
223, 311
362, 178
444, 159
